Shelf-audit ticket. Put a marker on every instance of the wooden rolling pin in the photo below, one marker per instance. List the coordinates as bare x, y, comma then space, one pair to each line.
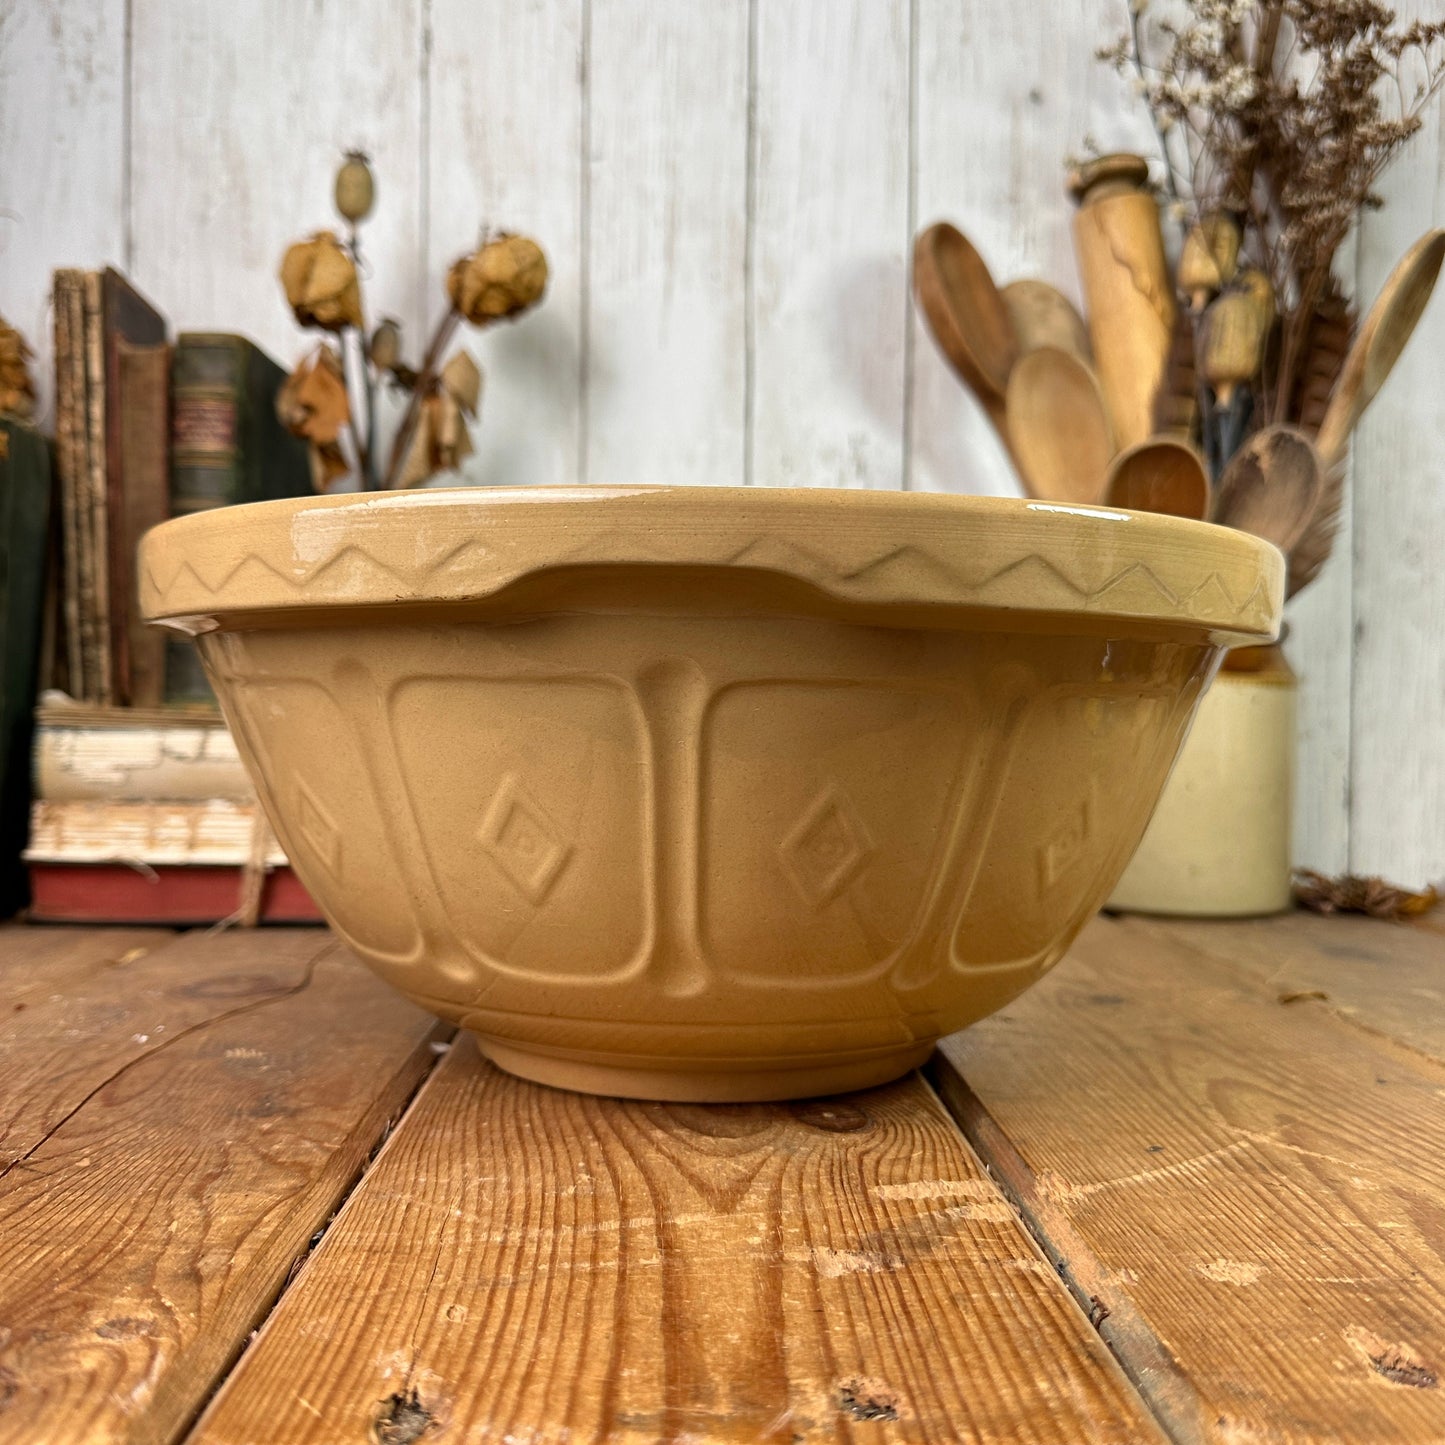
1127, 285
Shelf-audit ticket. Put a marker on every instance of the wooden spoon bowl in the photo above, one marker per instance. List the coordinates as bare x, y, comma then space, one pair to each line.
1058, 426
1272, 486
1162, 474
1043, 316
965, 313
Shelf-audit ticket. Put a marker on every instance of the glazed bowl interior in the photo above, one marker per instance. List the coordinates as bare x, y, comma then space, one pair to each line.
704, 793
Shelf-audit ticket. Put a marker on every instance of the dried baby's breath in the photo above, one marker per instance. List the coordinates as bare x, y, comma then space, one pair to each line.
1284, 113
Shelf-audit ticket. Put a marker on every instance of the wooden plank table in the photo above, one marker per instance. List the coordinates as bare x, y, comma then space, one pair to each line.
1190, 1188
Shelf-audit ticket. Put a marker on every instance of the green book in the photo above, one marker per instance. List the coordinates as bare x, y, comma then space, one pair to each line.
25, 487
227, 446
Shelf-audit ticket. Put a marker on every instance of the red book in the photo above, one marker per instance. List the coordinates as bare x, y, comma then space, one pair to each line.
169, 894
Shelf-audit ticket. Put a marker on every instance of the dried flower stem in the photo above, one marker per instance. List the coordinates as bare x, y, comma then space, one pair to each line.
365, 432
1293, 338
425, 383
1290, 111
1171, 181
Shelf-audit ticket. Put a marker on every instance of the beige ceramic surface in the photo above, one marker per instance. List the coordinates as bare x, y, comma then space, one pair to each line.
1218, 845
707, 793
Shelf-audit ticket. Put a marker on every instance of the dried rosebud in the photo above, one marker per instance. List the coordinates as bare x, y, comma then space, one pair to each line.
17, 391
385, 349
420, 460
328, 464
320, 283
503, 278
312, 401
442, 440
461, 379
451, 441
355, 188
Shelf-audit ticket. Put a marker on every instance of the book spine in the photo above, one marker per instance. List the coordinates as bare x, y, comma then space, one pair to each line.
138, 764
25, 487
97, 597
67, 426
207, 385
273, 462
142, 395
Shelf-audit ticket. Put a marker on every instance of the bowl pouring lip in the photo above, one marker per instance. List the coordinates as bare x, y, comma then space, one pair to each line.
870, 549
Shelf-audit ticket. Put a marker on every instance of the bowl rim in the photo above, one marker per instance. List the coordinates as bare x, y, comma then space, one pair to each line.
871, 549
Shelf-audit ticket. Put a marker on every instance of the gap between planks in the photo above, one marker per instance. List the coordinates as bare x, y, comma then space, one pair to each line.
523, 1262
176, 1162
1142, 1356
1276, 1267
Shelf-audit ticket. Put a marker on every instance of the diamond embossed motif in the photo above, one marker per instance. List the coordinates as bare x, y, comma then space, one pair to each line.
826, 849
1069, 843
523, 842
317, 830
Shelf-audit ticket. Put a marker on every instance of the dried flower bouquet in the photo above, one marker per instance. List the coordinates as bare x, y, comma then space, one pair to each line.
321, 276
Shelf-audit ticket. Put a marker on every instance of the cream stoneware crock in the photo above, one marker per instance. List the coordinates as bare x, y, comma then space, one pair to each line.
707, 793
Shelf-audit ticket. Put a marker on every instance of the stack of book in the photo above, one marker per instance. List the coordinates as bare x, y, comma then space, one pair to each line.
140, 808
144, 815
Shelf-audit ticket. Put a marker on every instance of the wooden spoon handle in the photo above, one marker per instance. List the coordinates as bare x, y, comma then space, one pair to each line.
1379, 342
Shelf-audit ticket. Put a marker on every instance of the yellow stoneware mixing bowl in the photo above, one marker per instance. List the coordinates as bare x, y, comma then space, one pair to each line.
707, 793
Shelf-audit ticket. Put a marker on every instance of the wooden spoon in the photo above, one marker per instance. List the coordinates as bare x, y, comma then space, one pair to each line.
1162, 474
1058, 426
1272, 486
1043, 316
1379, 343
966, 314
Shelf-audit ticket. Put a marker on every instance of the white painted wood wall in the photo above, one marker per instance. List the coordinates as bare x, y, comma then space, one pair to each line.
726, 191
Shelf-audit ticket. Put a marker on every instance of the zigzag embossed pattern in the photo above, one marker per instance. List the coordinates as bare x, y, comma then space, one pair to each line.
915, 550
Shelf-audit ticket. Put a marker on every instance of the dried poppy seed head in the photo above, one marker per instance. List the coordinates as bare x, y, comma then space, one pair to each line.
385, 350
355, 188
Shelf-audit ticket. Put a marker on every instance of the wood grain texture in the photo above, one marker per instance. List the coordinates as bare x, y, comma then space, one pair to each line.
505, 150
241, 115
147, 1230
666, 238
525, 1264
1397, 782
1119, 245
1254, 1188
1382, 977
67, 1039
828, 297
62, 159
44, 965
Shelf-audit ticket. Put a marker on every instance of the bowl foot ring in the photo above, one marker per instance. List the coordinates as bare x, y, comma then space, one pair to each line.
717, 1086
